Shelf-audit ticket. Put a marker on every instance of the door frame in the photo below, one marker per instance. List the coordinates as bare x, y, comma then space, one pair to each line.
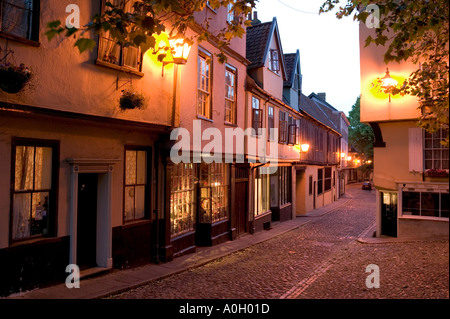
104, 169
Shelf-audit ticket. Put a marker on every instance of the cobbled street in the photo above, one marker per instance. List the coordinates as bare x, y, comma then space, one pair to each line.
320, 260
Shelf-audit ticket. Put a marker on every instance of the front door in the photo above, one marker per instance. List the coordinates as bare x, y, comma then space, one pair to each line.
241, 207
389, 214
87, 221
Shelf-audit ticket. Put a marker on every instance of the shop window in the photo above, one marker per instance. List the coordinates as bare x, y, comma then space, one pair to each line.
213, 192
136, 185
35, 170
182, 198
425, 204
112, 53
284, 175
262, 191
20, 18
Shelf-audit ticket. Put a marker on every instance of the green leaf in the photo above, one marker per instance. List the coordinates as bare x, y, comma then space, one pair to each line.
53, 24
84, 44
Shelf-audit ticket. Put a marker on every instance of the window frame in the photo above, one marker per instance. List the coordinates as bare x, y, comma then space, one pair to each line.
327, 179
419, 208
320, 180
204, 55
257, 117
270, 122
32, 37
233, 110
283, 127
148, 184
435, 147
274, 61
120, 65
193, 190
53, 191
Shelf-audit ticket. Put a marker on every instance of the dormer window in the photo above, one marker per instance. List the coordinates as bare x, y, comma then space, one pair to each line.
274, 61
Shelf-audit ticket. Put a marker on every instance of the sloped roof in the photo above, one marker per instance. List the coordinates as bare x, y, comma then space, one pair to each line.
290, 60
257, 40
311, 108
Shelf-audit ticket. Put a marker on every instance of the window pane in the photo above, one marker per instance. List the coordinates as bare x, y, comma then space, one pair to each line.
444, 205
109, 50
21, 216
141, 167
129, 203
131, 57
16, 17
430, 204
24, 168
39, 214
130, 167
139, 211
411, 203
43, 168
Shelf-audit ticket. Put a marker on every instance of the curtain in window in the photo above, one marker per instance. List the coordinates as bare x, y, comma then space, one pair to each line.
16, 17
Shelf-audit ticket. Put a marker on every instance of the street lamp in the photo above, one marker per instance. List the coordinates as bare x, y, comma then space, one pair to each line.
180, 50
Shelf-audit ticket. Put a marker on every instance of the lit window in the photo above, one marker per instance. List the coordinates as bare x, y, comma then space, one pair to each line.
34, 190
113, 53
135, 185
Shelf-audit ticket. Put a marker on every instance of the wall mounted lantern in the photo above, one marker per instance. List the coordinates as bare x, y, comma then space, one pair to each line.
387, 84
304, 148
180, 50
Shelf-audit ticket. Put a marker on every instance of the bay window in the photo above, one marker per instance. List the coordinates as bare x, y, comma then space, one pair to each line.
182, 198
213, 192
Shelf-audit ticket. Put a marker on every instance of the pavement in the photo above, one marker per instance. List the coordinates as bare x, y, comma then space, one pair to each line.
117, 281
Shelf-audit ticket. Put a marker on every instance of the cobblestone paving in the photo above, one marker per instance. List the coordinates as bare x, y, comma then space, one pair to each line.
320, 260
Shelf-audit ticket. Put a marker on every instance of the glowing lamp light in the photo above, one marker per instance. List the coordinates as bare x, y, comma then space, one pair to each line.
180, 50
304, 148
387, 82
349, 158
342, 155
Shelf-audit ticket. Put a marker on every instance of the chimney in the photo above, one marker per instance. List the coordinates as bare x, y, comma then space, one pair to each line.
255, 20
322, 96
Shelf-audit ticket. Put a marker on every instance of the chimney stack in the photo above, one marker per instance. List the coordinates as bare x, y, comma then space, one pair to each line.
322, 96
255, 20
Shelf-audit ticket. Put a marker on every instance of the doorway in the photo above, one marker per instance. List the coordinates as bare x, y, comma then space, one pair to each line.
241, 207
87, 220
389, 214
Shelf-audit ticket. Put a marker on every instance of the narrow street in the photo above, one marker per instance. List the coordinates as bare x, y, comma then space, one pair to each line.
320, 260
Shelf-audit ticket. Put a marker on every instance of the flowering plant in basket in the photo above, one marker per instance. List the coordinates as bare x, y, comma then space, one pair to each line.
131, 100
14, 78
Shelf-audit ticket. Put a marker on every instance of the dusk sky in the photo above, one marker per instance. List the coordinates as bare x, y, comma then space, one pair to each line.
329, 47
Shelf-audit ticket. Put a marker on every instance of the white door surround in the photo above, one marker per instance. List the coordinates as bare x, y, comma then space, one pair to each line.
104, 169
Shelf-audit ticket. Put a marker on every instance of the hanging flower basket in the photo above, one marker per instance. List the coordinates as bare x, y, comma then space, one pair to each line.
130, 100
14, 78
